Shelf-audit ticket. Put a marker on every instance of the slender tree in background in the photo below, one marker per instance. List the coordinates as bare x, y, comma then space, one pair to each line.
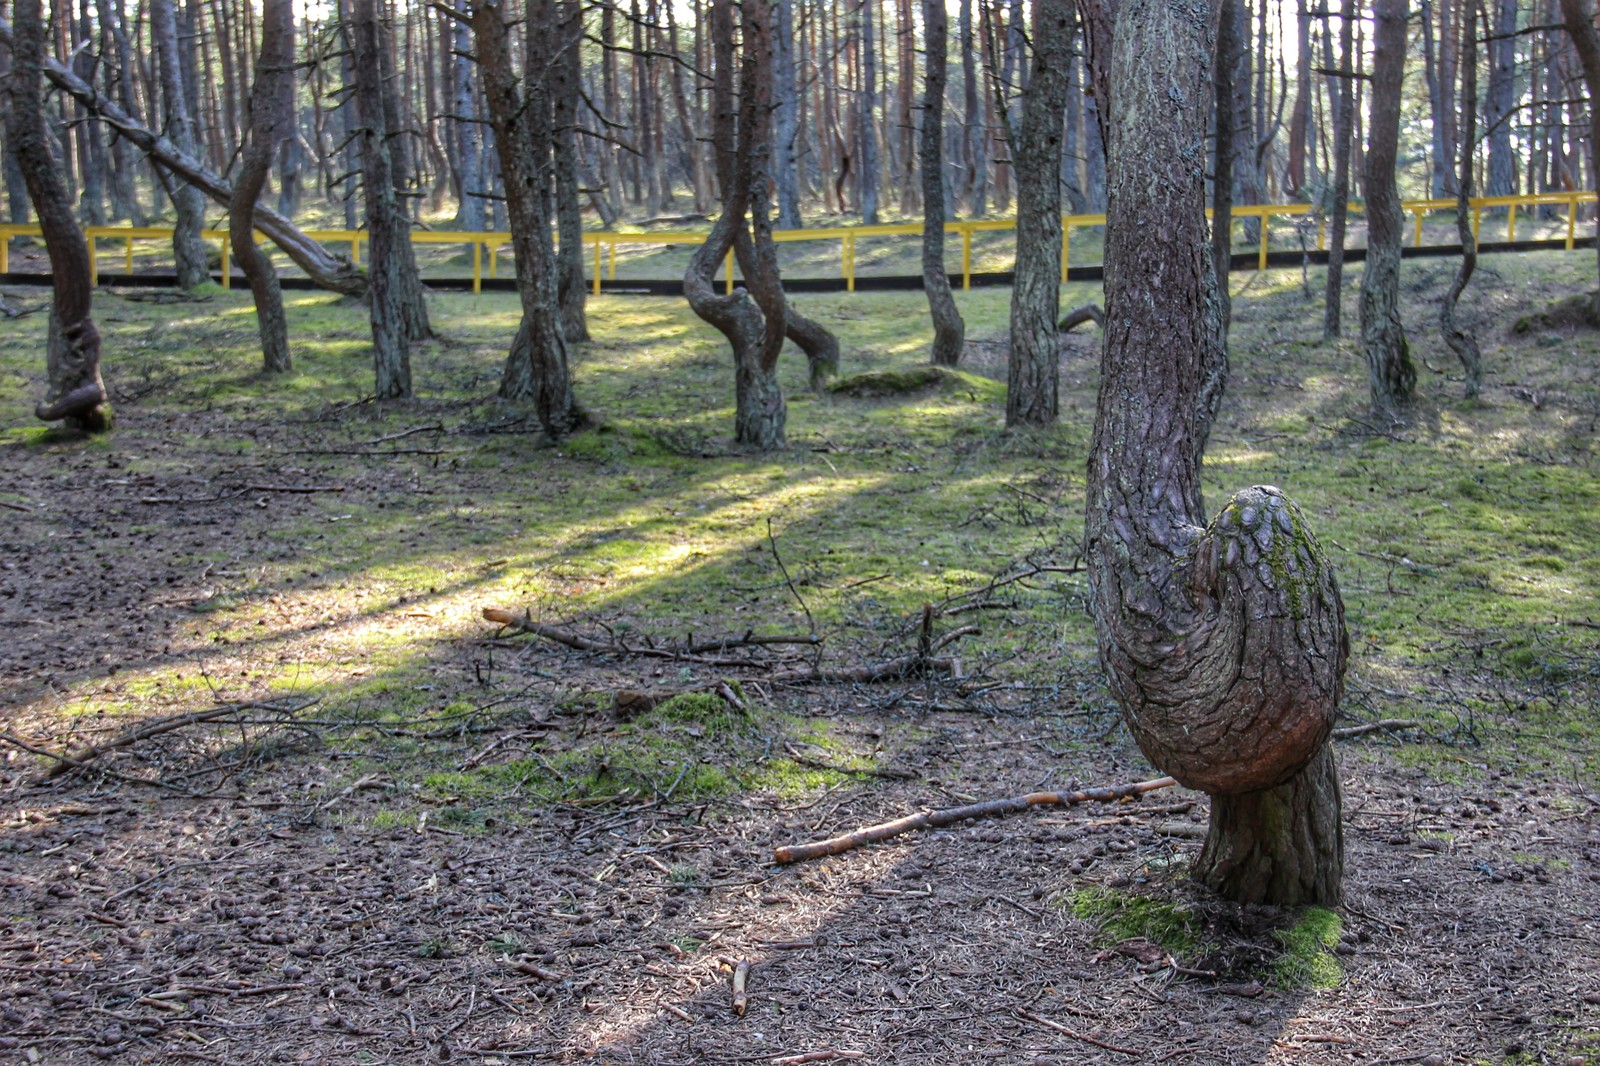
1229, 47
867, 119
271, 120
1343, 116
465, 131
538, 367
1225, 643
412, 305
1033, 372
1462, 341
77, 395
188, 251
1502, 101
786, 122
949, 332
974, 153
1579, 16
386, 222
565, 91
1392, 374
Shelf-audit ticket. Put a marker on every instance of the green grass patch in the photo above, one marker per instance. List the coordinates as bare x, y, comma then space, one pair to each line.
1121, 916
1308, 961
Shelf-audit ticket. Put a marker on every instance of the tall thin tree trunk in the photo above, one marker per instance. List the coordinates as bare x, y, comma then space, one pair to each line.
1033, 370
1502, 100
271, 101
949, 331
468, 138
786, 158
189, 253
1390, 371
867, 115
91, 139
1462, 341
77, 394
386, 222
572, 293
1343, 114
1579, 16
412, 304
974, 136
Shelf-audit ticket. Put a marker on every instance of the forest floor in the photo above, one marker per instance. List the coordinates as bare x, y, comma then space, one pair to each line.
390, 831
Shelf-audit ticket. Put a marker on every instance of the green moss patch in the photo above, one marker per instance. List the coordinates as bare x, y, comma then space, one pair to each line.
1121, 916
1308, 961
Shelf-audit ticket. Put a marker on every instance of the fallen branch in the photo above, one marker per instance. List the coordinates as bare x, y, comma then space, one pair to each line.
1086, 313
692, 654
933, 819
77, 759
1394, 724
817, 1056
1058, 1027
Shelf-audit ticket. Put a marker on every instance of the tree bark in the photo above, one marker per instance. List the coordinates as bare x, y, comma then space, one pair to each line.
326, 269
974, 136
270, 123
572, 293
189, 253
1229, 45
386, 223
1502, 99
1225, 642
949, 331
77, 395
466, 141
537, 368
411, 302
1333, 298
1462, 341
1579, 16
867, 120
1390, 371
786, 158
1033, 370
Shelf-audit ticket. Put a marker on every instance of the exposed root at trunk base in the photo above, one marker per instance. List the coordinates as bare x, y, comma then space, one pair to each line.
1283, 845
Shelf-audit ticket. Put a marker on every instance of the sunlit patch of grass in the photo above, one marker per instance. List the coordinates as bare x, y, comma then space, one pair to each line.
1307, 961
1121, 916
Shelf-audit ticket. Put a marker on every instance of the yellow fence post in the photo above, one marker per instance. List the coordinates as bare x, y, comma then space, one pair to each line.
1066, 249
227, 268
727, 267
355, 250
127, 254
1511, 222
1322, 234
477, 267
494, 260
850, 262
966, 258
1416, 240
94, 258
1261, 260
1477, 222
5, 251
597, 268
612, 256
1572, 222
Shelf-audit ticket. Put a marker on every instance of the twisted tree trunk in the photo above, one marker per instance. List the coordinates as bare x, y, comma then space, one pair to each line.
270, 101
77, 395
949, 331
1224, 642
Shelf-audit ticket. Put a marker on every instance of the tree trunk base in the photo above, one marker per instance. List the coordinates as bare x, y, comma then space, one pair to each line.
1283, 845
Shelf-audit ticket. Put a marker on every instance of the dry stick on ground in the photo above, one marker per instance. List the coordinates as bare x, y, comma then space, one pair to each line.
1058, 1027
950, 815
1394, 724
75, 760
578, 642
816, 1056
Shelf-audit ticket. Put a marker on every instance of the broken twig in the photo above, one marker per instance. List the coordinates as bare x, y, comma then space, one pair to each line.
950, 815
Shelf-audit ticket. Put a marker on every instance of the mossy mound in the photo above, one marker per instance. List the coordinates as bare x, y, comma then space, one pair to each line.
1577, 311
916, 380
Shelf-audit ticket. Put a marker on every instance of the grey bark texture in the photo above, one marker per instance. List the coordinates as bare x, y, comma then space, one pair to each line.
386, 223
786, 125
189, 253
537, 368
77, 395
949, 331
1033, 371
868, 111
1462, 341
271, 100
466, 142
565, 90
1224, 641
1390, 370
1502, 99
1344, 106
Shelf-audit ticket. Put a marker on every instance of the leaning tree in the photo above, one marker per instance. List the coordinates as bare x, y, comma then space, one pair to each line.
271, 121
1224, 641
77, 395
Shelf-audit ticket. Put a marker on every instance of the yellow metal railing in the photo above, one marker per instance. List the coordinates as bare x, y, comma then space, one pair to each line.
489, 244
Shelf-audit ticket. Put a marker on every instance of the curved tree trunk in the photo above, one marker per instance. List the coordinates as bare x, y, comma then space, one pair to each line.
189, 254
537, 368
1390, 371
1033, 370
1462, 341
755, 322
77, 395
573, 293
386, 297
270, 101
949, 331
1225, 642
332, 272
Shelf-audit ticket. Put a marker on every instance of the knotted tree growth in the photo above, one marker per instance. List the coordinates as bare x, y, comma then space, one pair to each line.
756, 317
1224, 641
77, 395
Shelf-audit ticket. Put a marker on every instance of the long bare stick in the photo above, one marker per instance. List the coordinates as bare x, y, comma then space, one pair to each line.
949, 815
